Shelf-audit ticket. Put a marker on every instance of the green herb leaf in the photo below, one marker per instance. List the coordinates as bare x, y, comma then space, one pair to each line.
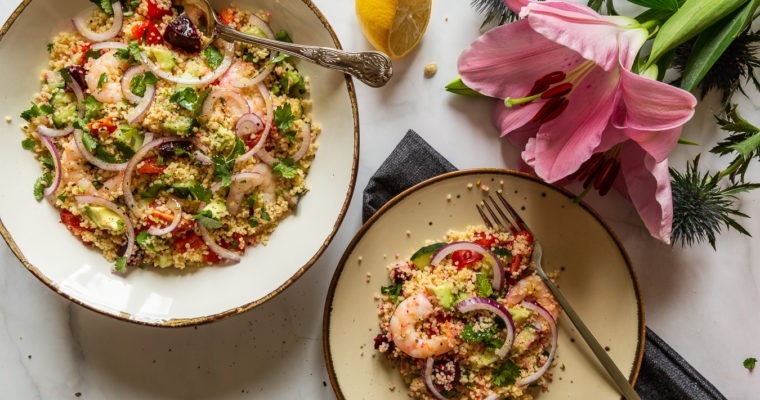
264, 214
102, 80
483, 283
90, 144
671, 5
502, 252
121, 264
185, 98
283, 36
140, 83
94, 54
36, 111
489, 336
199, 104
253, 222
392, 291
285, 168
97, 184
153, 191
28, 144
283, 117
749, 363
41, 184
142, 238
47, 162
49, 47
458, 87
200, 193
205, 218
213, 57
105, 5
223, 166
506, 374
92, 108
131, 54
279, 58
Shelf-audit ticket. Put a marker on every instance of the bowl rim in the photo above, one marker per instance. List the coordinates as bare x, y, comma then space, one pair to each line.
634, 373
182, 322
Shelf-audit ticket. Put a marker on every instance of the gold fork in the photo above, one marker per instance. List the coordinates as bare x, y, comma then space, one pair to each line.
503, 217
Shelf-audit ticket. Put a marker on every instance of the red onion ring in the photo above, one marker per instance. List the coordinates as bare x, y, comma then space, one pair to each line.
227, 51
265, 157
176, 208
553, 327
497, 282
219, 250
56, 182
80, 24
129, 198
427, 378
267, 127
126, 82
483, 304
91, 158
248, 125
51, 133
79, 94
109, 45
305, 142
113, 207
233, 98
143, 106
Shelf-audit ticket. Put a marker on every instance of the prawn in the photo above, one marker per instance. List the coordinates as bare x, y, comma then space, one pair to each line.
405, 335
533, 288
73, 171
262, 178
106, 90
240, 70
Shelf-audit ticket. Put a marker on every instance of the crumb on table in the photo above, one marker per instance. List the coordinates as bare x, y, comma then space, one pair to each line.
430, 70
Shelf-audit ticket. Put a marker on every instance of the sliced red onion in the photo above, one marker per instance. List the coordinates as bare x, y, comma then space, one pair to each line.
113, 207
553, 327
242, 83
248, 125
232, 98
427, 377
202, 158
267, 127
219, 250
143, 106
265, 157
51, 133
176, 208
80, 24
92, 159
497, 281
126, 82
109, 45
129, 198
305, 142
79, 94
483, 304
227, 51
242, 183
56, 182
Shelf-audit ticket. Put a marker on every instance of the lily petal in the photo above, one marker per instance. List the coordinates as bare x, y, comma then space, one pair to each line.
514, 118
648, 186
651, 105
597, 38
507, 60
565, 143
516, 5
658, 144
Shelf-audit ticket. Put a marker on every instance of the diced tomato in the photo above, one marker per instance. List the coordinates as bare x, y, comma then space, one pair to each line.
226, 16
82, 50
514, 266
211, 258
154, 11
149, 166
528, 236
252, 141
106, 124
147, 32
191, 241
74, 224
185, 225
485, 240
464, 258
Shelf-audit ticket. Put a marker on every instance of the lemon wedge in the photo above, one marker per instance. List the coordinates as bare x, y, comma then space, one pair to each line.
394, 27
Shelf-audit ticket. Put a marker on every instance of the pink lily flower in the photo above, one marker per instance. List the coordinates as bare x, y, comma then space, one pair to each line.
564, 73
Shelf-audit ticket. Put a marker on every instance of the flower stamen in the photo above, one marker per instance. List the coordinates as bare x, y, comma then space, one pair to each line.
550, 110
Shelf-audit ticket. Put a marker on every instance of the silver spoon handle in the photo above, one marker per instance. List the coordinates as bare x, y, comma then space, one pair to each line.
371, 67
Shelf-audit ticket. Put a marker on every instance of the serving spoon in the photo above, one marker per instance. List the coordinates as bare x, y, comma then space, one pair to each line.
371, 67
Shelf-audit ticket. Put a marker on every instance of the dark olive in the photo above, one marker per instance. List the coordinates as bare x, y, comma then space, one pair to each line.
182, 33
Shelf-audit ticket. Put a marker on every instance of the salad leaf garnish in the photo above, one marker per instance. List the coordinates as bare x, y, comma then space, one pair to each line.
205, 218
285, 168
392, 291
213, 57
140, 83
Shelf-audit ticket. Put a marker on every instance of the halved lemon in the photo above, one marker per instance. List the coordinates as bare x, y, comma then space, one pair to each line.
394, 27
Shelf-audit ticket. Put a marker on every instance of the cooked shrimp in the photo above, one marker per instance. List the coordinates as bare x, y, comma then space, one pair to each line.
405, 335
241, 70
109, 89
261, 178
532, 288
73, 171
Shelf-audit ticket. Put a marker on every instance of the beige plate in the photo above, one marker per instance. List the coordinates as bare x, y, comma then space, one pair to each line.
171, 298
597, 279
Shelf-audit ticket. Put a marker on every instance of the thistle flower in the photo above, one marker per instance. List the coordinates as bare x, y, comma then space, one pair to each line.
701, 207
496, 12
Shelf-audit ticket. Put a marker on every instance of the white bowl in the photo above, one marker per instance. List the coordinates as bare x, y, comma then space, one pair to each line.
160, 297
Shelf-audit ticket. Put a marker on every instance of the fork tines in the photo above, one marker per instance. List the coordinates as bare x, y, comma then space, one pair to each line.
504, 218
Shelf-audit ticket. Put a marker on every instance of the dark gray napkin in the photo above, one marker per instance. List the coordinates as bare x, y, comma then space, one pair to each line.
664, 374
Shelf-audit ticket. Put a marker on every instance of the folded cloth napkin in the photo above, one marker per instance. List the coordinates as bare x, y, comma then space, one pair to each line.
664, 374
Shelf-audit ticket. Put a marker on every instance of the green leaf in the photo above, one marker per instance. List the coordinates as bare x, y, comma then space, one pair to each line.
153, 191
687, 142
92, 108
131, 54
506, 374
105, 5
36, 111
691, 19
199, 104
283, 117
483, 283
750, 362
121, 264
41, 184
205, 218
458, 87
213, 57
748, 146
264, 214
94, 54
283, 36
102, 80
671, 5
185, 98
285, 168
28, 144
200, 193
90, 144
713, 42
392, 291
140, 83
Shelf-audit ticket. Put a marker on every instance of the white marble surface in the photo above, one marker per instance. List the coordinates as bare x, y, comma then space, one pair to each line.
703, 302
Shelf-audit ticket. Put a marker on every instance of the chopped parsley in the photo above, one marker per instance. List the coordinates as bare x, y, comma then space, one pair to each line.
264, 214
283, 36
102, 80
47, 162
142, 239
140, 83
97, 184
92, 107
49, 47
749, 363
94, 54
131, 54
205, 218
223, 165
186, 98
41, 184
93, 146
253, 222
62, 198
392, 291
121, 264
502, 252
200, 193
506, 374
489, 336
280, 57
484, 285
28, 144
37, 111
283, 117
285, 168
213, 57
153, 190
90, 143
